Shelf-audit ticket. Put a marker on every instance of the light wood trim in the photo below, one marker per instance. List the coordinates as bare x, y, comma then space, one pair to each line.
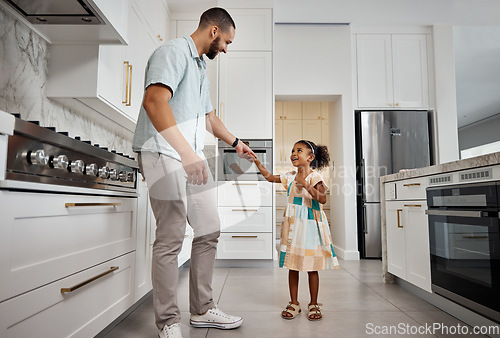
411, 184
67, 205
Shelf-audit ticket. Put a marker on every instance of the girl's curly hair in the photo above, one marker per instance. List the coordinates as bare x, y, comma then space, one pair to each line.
321, 155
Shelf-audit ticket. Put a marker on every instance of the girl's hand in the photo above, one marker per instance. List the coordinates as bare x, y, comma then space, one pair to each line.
300, 181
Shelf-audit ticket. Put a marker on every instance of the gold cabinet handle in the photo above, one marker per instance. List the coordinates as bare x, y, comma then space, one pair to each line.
255, 236
130, 86
245, 210
126, 64
411, 184
390, 104
413, 205
397, 104
159, 37
399, 217
67, 205
77, 286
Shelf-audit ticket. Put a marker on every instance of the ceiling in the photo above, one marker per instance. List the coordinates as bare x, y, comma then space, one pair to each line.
476, 36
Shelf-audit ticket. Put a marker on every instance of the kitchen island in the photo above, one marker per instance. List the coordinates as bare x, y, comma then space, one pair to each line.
408, 232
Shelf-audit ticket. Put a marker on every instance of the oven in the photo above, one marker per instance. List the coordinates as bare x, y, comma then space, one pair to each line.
231, 167
465, 245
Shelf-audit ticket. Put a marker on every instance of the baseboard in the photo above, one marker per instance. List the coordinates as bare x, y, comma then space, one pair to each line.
347, 255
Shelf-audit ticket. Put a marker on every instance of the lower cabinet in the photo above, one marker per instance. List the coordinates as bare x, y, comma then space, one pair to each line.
408, 255
246, 216
54, 310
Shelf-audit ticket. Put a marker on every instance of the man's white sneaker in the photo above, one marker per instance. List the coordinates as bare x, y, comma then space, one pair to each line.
215, 318
171, 331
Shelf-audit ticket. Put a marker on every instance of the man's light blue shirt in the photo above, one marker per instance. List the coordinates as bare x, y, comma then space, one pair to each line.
177, 65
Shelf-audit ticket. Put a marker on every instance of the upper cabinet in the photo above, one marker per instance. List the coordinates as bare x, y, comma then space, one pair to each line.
254, 29
105, 79
246, 76
392, 71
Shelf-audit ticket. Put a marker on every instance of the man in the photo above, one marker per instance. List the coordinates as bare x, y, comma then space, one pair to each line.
169, 138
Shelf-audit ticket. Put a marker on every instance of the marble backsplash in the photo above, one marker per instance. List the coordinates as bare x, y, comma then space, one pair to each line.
23, 78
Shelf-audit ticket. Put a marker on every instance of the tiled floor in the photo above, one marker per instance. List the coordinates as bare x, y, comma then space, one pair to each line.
355, 304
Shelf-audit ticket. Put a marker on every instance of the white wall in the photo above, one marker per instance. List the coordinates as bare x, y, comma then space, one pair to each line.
311, 60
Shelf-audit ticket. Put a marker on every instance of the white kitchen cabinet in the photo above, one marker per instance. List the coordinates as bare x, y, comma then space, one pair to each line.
408, 255
392, 71
83, 312
59, 235
245, 246
157, 18
143, 246
106, 80
254, 29
246, 94
288, 110
315, 110
287, 132
246, 219
244, 194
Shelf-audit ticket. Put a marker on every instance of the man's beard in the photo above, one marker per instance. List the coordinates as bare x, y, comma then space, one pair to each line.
213, 50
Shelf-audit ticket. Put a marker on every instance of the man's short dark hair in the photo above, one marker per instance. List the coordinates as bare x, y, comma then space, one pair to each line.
217, 16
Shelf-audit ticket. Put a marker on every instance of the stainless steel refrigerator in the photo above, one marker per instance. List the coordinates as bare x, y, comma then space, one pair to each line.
386, 141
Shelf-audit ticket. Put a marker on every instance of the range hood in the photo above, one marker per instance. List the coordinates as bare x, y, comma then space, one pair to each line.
57, 12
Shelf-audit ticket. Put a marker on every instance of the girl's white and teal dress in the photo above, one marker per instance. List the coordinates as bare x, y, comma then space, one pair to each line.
306, 242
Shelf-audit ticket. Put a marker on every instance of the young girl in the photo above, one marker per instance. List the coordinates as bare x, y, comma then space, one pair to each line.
306, 243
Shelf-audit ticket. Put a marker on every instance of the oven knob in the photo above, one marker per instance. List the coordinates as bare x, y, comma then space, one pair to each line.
122, 176
60, 162
131, 176
77, 167
38, 157
91, 170
113, 174
104, 172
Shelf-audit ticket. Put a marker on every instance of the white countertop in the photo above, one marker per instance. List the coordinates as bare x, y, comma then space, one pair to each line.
468, 163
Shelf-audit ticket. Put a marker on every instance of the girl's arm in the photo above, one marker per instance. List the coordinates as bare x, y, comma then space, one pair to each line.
318, 192
267, 175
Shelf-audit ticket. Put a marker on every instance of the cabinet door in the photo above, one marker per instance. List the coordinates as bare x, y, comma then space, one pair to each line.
246, 93
311, 130
409, 54
292, 132
254, 29
325, 133
396, 242
292, 110
112, 74
418, 270
312, 111
374, 66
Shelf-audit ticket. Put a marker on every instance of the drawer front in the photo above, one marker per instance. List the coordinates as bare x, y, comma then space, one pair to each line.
411, 189
46, 240
238, 219
46, 312
239, 245
241, 194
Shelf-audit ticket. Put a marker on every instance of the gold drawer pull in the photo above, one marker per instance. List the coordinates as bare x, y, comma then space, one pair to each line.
474, 237
413, 205
67, 205
77, 286
399, 217
245, 210
255, 236
410, 184
244, 183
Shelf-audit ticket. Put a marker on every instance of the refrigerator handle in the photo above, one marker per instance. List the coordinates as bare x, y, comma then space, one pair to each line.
365, 228
363, 188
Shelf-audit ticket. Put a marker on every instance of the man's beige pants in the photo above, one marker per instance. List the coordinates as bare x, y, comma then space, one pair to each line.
174, 201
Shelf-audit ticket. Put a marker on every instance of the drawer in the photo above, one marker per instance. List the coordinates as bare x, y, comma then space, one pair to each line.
42, 239
251, 219
244, 194
239, 245
46, 312
281, 199
411, 189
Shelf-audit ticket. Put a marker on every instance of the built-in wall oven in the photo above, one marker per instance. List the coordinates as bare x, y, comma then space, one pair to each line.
465, 245
231, 167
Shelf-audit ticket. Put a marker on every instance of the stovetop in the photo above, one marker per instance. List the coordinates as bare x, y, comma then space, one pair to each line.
45, 155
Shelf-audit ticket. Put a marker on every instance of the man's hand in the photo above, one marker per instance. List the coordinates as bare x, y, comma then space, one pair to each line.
244, 151
195, 168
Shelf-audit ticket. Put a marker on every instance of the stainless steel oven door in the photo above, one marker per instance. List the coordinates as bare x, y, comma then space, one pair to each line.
465, 257
231, 167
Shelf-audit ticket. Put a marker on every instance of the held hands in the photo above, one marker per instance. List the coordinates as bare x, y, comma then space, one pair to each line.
195, 168
244, 151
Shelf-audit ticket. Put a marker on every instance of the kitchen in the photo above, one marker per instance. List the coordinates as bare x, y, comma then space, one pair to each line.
26, 67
